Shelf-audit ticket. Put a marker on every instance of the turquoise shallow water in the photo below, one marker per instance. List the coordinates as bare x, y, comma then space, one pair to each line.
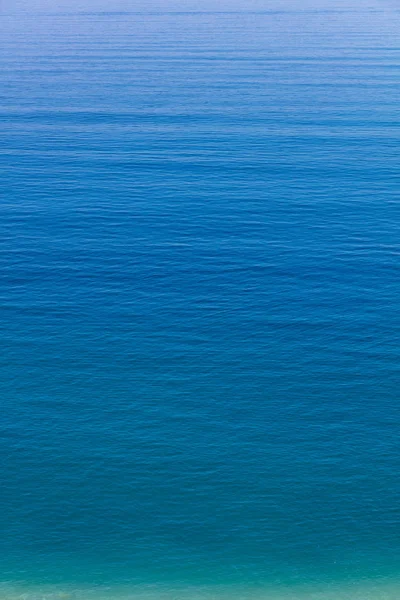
199, 300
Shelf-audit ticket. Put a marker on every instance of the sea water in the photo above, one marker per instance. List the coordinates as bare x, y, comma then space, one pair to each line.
200, 300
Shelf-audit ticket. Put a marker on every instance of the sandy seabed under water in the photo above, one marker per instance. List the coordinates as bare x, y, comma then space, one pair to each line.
374, 590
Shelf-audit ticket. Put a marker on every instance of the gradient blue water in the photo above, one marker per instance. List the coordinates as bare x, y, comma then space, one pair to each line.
200, 321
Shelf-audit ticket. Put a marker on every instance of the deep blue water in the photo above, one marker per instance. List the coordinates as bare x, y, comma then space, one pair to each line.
200, 308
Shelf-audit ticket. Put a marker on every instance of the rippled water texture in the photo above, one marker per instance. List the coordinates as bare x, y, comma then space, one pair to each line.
199, 254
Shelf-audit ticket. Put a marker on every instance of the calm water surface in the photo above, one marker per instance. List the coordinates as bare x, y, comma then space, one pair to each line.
200, 310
